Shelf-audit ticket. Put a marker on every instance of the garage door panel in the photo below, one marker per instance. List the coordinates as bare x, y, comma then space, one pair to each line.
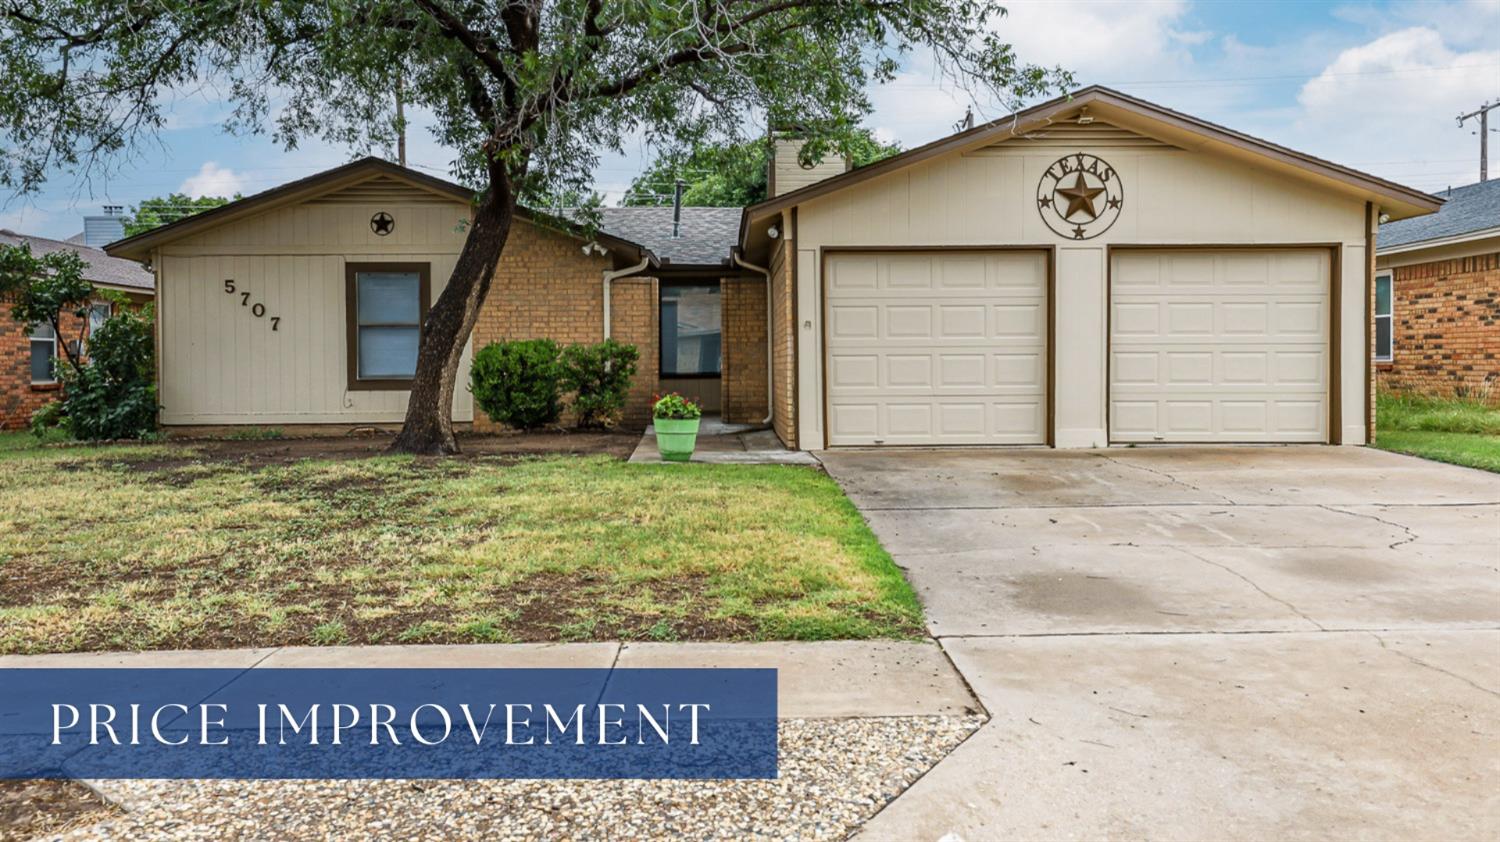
956, 354
1219, 346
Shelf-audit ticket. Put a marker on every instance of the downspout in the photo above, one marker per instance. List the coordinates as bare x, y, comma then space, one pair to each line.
770, 341
609, 277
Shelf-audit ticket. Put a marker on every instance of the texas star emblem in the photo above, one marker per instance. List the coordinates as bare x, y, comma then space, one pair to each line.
1080, 196
382, 223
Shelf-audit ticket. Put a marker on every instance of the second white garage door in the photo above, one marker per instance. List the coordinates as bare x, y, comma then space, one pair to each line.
1219, 346
933, 348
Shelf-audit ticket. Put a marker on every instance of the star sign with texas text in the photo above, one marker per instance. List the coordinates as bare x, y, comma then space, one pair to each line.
1080, 196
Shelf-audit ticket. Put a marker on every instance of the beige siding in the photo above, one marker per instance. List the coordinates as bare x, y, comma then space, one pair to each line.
223, 365
1172, 197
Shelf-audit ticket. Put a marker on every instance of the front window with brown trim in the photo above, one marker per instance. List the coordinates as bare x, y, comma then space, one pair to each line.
691, 331
385, 304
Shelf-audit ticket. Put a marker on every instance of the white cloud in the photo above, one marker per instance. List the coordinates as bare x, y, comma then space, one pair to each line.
213, 180
1388, 106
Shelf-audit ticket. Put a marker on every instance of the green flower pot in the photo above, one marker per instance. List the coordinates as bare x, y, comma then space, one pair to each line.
676, 437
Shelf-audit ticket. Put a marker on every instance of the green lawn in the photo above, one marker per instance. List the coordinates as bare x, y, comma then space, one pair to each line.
1463, 432
156, 547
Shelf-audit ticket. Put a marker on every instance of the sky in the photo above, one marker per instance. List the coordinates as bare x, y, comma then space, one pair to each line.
1371, 85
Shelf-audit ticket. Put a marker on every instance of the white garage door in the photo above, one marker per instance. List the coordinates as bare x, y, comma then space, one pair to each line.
937, 347
1219, 346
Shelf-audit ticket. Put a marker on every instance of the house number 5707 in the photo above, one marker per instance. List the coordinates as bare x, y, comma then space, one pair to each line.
257, 309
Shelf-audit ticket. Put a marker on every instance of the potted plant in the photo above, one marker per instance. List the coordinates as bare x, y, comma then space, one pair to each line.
676, 421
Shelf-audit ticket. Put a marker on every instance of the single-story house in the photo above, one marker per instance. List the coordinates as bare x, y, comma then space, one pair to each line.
1093, 270
28, 357
1437, 297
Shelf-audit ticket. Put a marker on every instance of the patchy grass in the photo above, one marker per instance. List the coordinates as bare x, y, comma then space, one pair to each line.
1463, 432
159, 546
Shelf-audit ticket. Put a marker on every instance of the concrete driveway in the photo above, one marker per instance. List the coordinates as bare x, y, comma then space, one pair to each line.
1191, 643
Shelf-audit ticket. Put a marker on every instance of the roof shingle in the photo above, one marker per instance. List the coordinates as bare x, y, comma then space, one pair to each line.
705, 238
100, 268
1474, 207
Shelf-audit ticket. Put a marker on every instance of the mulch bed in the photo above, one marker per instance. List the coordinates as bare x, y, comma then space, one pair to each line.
29, 809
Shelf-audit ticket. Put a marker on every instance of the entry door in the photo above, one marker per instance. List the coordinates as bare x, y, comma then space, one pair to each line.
936, 347
1219, 346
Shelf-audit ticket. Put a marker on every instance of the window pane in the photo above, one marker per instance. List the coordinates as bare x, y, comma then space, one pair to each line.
1383, 338
389, 298
98, 315
387, 352
691, 338
1383, 295
42, 352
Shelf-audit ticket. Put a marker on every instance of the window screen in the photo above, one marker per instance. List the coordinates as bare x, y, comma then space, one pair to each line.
691, 337
389, 308
1384, 318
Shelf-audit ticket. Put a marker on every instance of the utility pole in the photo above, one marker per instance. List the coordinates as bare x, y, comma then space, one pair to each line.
400, 125
1483, 113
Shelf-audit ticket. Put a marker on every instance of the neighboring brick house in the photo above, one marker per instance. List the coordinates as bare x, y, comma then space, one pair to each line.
1437, 301
27, 378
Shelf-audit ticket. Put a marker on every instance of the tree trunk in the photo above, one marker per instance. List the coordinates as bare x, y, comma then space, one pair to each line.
428, 429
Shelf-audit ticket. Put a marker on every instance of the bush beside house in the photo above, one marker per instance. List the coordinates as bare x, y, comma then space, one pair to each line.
522, 383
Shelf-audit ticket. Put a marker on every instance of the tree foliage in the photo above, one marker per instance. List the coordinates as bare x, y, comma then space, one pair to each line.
527, 93
164, 210
112, 395
726, 174
44, 288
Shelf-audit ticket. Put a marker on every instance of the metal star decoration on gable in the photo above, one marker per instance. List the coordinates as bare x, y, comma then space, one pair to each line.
382, 224
1080, 196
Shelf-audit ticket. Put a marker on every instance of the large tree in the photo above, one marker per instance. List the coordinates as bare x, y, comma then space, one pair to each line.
164, 210
728, 174
527, 93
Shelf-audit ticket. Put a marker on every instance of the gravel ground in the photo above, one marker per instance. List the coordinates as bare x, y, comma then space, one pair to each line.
835, 774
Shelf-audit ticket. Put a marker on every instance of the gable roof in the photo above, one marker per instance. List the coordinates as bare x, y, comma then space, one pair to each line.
1130, 113
139, 247
100, 269
1471, 209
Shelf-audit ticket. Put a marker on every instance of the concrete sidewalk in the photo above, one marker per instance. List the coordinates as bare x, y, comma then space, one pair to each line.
817, 680
741, 444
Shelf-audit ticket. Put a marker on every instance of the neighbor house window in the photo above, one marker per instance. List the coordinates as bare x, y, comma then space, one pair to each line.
386, 303
99, 313
1384, 323
43, 353
691, 337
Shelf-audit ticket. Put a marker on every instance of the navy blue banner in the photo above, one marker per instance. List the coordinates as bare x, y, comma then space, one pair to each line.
388, 723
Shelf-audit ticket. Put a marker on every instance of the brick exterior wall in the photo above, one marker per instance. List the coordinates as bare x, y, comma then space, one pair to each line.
634, 313
546, 288
18, 396
743, 303
783, 336
1446, 328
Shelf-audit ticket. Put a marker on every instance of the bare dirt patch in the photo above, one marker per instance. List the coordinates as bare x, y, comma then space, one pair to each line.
287, 451
29, 809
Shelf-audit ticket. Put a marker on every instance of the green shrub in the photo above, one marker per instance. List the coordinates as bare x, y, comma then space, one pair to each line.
676, 407
599, 376
48, 417
518, 384
113, 394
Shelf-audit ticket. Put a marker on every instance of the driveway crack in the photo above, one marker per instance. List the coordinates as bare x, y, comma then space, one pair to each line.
1421, 663
1167, 476
1410, 535
1251, 582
